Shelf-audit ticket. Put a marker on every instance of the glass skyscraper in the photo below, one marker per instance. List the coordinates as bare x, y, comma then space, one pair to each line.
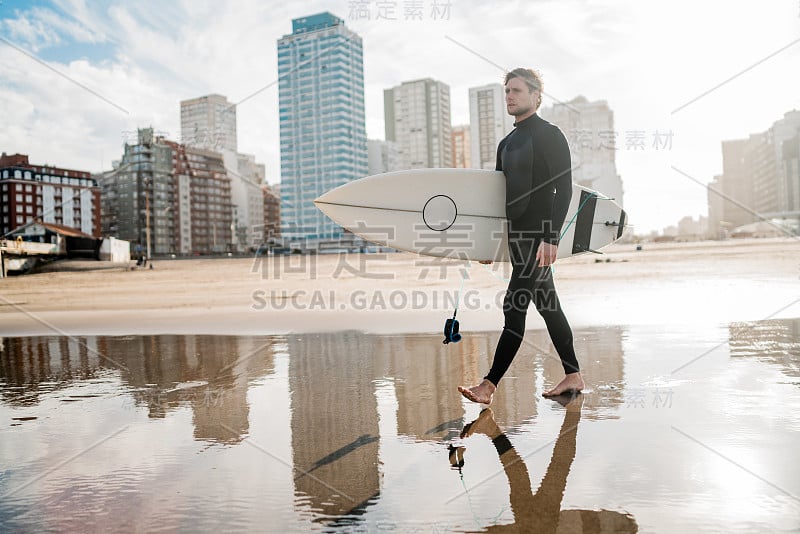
323, 134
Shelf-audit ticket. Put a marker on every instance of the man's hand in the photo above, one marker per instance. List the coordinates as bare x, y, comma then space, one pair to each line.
546, 254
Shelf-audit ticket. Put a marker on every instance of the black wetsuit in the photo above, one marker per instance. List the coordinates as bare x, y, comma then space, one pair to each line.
535, 159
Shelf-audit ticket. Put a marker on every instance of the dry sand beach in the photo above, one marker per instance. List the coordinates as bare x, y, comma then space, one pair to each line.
402, 293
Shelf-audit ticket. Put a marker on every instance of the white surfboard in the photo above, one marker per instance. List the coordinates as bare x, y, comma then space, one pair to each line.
458, 213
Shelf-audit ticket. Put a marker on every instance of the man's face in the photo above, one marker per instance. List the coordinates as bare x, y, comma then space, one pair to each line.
520, 100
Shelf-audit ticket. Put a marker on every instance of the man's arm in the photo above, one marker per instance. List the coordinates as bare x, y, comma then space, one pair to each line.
498, 167
560, 165
499, 164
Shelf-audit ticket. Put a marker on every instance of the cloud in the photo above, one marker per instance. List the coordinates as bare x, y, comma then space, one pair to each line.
645, 59
30, 30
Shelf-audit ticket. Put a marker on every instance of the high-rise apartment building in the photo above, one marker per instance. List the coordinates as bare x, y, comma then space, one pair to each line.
589, 128
272, 212
732, 191
790, 165
461, 147
760, 178
384, 156
489, 123
779, 190
49, 194
322, 128
137, 196
209, 122
202, 179
417, 117
246, 177
180, 195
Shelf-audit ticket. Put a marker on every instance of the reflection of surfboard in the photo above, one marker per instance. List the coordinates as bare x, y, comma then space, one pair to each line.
458, 213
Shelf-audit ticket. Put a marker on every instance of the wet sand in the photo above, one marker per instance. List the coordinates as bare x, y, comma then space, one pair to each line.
322, 404
708, 282
682, 428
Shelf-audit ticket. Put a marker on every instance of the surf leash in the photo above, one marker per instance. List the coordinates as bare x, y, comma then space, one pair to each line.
451, 334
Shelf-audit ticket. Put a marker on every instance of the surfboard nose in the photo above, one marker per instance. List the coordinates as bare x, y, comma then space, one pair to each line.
326, 199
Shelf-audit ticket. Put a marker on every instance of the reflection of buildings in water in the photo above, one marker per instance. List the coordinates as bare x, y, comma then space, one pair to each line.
514, 401
334, 423
776, 341
600, 355
158, 369
602, 362
35, 365
334, 408
209, 372
425, 374
221, 410
541, 511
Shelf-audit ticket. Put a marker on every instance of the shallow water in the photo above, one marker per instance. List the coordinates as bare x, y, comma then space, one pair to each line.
682, 429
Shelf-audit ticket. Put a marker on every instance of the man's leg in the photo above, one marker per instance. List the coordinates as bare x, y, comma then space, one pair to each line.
515, 306
549, 307
515, 309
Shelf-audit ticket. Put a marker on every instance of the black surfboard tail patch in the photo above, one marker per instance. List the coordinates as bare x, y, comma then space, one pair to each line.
583, 224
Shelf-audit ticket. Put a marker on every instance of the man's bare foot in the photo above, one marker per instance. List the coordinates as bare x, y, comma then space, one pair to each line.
572, 383
482, 393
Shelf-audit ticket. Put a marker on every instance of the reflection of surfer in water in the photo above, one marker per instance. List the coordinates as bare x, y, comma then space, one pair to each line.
541, 511
535, 160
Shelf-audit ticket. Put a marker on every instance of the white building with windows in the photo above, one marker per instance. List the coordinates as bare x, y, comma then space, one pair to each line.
417, 115
593, 142
489, 122
384, 156
209, 122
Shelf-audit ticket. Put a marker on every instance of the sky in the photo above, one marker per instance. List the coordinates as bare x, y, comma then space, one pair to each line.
78, 78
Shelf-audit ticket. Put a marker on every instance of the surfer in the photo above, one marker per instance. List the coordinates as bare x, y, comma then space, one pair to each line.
536, 162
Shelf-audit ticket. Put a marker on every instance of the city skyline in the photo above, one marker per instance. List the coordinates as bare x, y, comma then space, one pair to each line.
143, 64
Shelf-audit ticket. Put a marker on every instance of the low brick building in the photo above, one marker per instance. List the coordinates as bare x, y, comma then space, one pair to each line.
48, 194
